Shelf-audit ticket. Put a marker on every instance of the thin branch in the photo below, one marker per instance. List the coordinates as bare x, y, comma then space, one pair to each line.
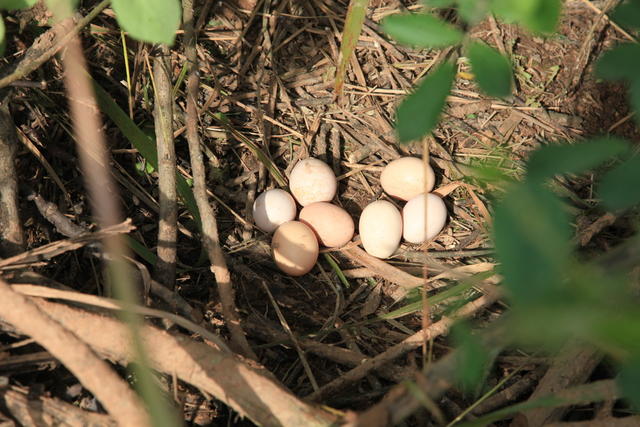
49, 43
96, 375
11, 238
249, 391
165, 271
55, 411
210, 236
94, 161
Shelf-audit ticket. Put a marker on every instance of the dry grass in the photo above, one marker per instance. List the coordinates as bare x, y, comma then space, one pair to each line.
270, 70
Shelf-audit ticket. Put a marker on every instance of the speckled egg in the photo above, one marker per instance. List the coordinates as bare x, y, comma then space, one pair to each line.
333, 225
404, 178
380, 228
294, 248
312, 181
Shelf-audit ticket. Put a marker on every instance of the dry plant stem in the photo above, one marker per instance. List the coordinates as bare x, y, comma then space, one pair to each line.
94, 161
246, 390
114, 393
48, 251
573, 367
382, 269
210, 236
426, 317
509, 394
52, 411
11, 239
45, 46
414, 341
165, 271
92, 300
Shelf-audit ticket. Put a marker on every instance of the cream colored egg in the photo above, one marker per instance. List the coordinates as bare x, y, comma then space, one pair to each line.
312, 181
332, 224
404, 178
413, 218
294, 248
380, 228
272, 208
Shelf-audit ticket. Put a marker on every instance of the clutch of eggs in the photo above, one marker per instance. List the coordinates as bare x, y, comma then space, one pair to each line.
295, 244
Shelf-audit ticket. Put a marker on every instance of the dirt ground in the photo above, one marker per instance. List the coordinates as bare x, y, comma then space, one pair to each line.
269, 68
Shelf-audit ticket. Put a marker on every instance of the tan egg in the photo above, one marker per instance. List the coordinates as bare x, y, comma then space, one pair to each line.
413, 218
312, 181
272, 208
380, 228
294, 248
332, 224
404, 178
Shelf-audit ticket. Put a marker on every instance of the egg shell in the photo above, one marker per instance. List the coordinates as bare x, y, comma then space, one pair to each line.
272, 208
312, 181
404, 178
333, 225
380, 228
413, 218
294, 248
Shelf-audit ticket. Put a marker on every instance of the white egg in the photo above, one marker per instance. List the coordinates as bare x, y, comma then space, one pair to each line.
312, 181
272, 208
380, 228
404, 178
413, 218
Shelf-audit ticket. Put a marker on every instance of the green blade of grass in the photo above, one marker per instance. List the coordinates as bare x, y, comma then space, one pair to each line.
350, 34
416, 306
145, 145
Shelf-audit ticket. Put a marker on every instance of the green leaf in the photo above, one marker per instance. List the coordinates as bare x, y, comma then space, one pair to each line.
419, 112
532, 242
627, 14
473, 11
472, 357
438, 3
16, 4
619, 188
540, 16
557, 159
154, 21
61, 9
545, 16
491, 69
421, 30
629, 381
571, 396
621, 63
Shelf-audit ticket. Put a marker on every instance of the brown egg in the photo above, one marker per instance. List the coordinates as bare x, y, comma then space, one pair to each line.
332, 224
294, 248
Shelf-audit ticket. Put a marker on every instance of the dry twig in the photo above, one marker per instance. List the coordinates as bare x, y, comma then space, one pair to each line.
113, 392
210, 236
165, 271
248, 391
11, 239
